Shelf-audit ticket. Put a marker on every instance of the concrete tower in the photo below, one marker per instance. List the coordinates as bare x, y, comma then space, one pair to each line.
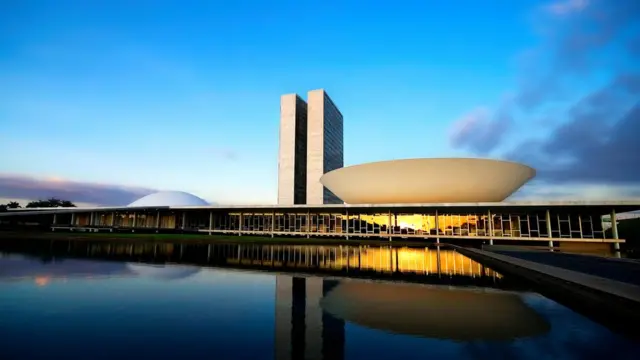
311, 144
292, 158
325, 145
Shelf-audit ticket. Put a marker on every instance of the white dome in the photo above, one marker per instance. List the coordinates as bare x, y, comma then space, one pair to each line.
169, 198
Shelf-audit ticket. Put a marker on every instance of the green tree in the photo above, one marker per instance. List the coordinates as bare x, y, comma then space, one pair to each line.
10, 205
13, 205
52, 202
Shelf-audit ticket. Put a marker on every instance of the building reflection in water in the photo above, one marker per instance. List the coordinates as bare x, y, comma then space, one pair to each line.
311, 311
423, 264
347, 260
303, 330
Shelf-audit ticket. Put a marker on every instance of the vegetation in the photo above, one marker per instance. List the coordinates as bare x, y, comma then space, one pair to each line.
50, 203
10, 205
630, 231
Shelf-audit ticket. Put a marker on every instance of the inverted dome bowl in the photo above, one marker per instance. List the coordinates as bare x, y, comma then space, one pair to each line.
435, 312
442, 180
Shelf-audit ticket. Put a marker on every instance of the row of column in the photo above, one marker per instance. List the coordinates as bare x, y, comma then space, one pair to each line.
93, 217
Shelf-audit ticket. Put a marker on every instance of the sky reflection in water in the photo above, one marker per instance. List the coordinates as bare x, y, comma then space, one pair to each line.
89, 308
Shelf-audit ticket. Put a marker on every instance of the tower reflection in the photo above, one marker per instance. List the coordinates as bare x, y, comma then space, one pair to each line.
303, 330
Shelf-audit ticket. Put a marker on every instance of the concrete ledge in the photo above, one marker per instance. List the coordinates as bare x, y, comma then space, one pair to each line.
614, 304
624, 290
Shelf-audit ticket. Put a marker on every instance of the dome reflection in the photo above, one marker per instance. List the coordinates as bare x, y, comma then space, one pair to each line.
435, 312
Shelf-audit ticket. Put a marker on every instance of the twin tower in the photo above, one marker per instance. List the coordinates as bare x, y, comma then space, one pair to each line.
311, 144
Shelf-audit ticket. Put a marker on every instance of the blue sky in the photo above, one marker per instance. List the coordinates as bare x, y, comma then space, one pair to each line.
185, 95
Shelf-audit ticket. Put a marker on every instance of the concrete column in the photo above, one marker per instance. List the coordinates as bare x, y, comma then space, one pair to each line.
210, 222
184, 220
241, 224
135, 219
490, 225
308, 223
273, 223
548, 221
347, 229
437, 229
157, 221
389, 228
580, 225
614, 230
91, 218
73, 219
55, 219
113, 219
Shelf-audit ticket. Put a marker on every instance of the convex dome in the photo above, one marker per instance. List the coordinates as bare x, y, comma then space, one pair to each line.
169, 198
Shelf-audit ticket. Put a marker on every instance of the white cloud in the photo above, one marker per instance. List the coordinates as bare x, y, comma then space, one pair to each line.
567, 6
574, 192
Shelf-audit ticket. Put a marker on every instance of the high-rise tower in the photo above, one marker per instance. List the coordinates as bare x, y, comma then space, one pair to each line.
292, 159
311, 144
325, 146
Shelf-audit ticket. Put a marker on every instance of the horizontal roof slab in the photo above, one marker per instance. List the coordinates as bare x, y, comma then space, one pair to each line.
602, 207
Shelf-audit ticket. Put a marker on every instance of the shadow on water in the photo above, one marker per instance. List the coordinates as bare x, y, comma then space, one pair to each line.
325, 302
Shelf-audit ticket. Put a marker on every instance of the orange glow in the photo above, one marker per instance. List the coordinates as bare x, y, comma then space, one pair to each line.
42, 280
422, 222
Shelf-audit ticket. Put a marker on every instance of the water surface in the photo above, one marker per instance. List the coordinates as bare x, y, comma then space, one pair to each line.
99, 300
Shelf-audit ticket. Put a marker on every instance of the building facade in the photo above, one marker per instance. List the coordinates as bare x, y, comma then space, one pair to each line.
292, 158
556, 224
311, 144
325, 145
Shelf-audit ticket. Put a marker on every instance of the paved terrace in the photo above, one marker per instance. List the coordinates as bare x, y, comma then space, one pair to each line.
606, 289
623, 270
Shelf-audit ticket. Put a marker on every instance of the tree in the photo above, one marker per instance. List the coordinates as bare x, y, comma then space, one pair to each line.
10, 205
13, 205
52, 202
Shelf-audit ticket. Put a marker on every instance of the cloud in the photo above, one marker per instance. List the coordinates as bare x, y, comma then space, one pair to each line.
567, 6
541, 190
594, 142
574, 47
600, 143
13, 186
480, 130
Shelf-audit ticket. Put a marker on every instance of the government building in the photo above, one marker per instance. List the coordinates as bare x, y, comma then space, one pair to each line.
311, 144
434, 199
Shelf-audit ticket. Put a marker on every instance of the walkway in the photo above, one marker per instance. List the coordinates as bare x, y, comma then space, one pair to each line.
583, 270
623, 270
594, 286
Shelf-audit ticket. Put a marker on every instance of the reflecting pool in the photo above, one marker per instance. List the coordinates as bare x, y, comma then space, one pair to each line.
102, 300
